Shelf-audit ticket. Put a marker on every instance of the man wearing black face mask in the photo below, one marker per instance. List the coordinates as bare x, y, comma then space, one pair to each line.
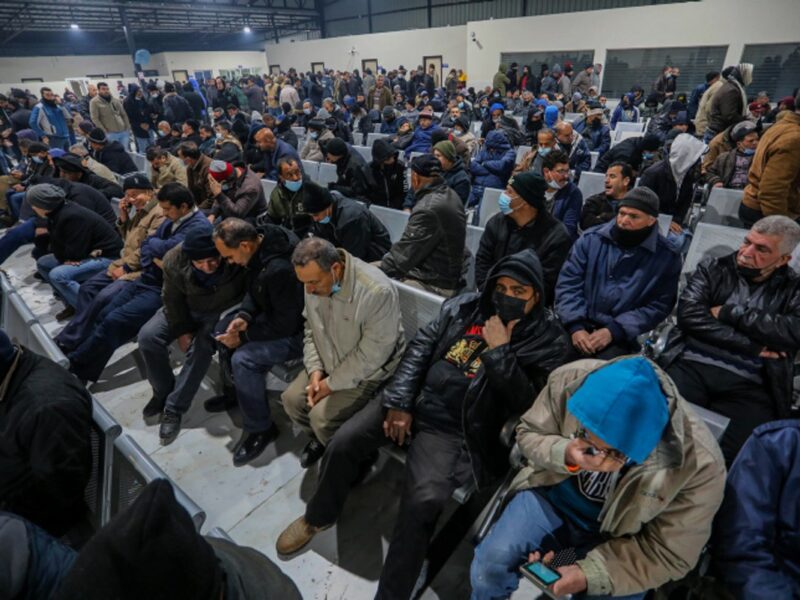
738, 332
481, 361
619, 281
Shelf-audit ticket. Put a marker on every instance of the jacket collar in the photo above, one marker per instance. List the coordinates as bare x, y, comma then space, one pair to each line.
650, 244
348, 281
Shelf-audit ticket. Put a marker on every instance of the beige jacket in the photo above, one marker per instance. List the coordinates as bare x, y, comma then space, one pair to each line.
658, 517
109, 116
134, 231
355, 335
173, 170
312, 150
704, 108
100, 169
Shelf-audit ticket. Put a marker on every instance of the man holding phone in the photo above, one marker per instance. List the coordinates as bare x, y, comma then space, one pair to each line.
624, 472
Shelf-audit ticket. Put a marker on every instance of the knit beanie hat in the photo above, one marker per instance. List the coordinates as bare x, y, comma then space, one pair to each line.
98, 136
642, 198
426, 165
198, 245
45, 196
316, 198
447, 149
220, 170
531, 187
7, 354
336, 147
623, 405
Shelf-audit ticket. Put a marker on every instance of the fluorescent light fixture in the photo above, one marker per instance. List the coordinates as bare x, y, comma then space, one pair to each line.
247, 29
74, 26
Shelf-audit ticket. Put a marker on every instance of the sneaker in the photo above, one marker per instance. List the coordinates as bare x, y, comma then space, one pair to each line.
65, 314
311, 453
296, 536
154, 408
170, 427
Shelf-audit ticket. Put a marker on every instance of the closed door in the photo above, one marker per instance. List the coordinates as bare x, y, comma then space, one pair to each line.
436, 62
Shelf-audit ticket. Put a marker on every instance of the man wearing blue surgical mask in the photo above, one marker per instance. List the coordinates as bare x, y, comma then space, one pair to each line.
285, 205
730, 168
546, 142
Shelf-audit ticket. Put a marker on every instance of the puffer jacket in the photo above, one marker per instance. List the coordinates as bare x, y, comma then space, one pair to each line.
627, 290
658, 517
183, 295
173, 171
773, 185
771, 320
420, 141
431, 249
134, 231
245, 201
510, 375
493, 166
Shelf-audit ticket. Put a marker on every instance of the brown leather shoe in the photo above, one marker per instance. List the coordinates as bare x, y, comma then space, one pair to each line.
296, 536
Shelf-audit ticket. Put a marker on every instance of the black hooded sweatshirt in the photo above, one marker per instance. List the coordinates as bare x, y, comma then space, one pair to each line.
388, 185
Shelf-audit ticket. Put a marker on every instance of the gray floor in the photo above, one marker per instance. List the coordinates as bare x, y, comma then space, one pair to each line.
254, 503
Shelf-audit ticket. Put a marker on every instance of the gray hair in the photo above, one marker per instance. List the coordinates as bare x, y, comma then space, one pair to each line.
79, 150
783, 227
233, 231
318, 250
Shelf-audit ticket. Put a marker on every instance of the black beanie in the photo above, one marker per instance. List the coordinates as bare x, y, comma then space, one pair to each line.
316, 198
641, 198
531, 187
336, 147
198, 245
149, 550
426, 165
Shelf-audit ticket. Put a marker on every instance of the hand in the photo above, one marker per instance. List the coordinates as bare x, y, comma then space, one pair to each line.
576, 455
214, 186
407, 210
40, 231
159, 263
211, 218
17, 174
72, 263
313, 386
123, 210
19, 187
145, 126
719, 184
573, 580
600, 339
715, 311
675, 227
237, 325
397, 425
583, 342
229, 340
45, 140
771, 354
495, 333
184, 341
116, 273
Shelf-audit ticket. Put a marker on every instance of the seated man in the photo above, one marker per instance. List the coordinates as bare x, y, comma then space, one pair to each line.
602, 208
619, 281
266, 331
45, 420
121, 319
388, 183
480, 362
575, 147
620, 469
346, 223
756, 537
285, 207
272, 150
197, 165
546, 142
71, 168
236, 191
353, 341
421, 138
563, 198
318, 136
98, 290
165, 168
110, 153
454, 171
352, 172
82, 243
739, 330
198, 288
730, 168
430, 254
524, 223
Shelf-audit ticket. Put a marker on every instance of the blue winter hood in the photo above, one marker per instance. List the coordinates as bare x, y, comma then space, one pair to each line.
497, 141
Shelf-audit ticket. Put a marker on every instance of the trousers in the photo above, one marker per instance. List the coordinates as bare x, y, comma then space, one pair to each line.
66, 279
93, 296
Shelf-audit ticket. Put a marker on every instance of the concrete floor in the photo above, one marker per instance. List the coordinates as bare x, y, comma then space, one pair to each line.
254, 503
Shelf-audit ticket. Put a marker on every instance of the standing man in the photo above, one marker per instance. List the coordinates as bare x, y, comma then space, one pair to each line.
109, 115
50, 120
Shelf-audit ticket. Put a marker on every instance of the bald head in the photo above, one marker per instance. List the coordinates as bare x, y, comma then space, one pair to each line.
265, 139
564, 132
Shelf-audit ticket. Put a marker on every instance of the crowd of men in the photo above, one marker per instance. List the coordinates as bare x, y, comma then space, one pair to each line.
620, 467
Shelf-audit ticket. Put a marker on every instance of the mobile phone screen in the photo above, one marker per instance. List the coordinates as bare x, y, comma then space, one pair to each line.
544, 574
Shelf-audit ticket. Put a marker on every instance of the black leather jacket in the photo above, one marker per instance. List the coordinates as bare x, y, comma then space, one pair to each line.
770, 319
509, 379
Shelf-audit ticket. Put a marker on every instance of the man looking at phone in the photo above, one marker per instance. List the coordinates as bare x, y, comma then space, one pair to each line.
625, 473
478, 363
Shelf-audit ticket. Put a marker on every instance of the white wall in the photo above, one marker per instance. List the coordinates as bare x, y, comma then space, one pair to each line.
391, 49
710, 22
198, 61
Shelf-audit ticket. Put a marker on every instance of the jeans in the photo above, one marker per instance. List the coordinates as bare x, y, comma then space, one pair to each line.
436, 465
154, 340
66, 279
529, 523
57, 141
123, 137
142, 144
94, 294
118, 322
15, 200
16, 237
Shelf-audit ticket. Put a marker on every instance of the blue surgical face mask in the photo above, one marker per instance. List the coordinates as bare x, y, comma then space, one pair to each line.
647, 155
544, 151
307, 111
37, 159
293, 186
226, 187
325, 220
336, 288
460, 105
313, 135
504, 202
749, 151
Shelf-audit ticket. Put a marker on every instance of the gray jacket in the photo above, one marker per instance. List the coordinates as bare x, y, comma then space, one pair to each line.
355, 335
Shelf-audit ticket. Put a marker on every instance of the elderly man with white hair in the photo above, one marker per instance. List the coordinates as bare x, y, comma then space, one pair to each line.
739, 331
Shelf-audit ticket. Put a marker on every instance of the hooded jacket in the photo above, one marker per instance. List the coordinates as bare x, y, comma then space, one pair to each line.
356, 229
176, 109
388, 183
79, 193
657, 518
45, 451
138, 112
353, 176
501, 80
245, 201
510, 376
77, 233
431, 249
746, 326
729, 103
493, 165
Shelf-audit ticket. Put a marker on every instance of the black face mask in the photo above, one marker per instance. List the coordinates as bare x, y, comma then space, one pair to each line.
565, 147
49, 102
749, 273
630, 238
508, 308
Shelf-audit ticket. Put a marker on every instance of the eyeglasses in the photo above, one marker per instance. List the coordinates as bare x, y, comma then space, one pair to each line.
615, 455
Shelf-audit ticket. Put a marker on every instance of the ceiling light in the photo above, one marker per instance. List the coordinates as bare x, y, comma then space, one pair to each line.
74, 26
247, 29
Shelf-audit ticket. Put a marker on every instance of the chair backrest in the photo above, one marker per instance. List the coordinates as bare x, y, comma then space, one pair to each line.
140, 160
663, 224
300, 132
268, 185
327, 174
371, 137
591, 184
414, 155
626, 128
594, 156
417, 307
722, 207
573, 116
472, 242
521, 152
105, 430
365, 152
716, 422
376, 128
711, 241
395, 221
624, 135
489, 205
475, 128
311, 169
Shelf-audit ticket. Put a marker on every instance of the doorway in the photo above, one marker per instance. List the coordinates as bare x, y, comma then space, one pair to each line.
436, 61
317, 67
371, 64
181, 75
275, 70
